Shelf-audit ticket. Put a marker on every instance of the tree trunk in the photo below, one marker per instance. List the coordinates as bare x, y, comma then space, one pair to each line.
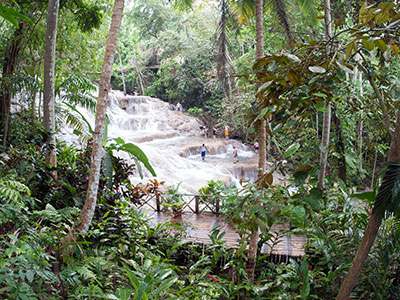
88, 209
323, 161
340, 148
381, 98
9, 64
381, 101
360, 139
49, 79
374, 169
260, 53
251, 258
139, 74
122, 72
372, 227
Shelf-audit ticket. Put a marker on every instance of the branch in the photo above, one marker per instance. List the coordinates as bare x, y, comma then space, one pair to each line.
381, 99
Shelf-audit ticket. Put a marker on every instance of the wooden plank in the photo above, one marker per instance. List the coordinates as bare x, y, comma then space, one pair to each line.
201, 226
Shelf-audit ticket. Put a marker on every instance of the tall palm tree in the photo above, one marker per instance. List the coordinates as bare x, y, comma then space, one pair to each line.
88, 209
10, 59
224, 64
327, 113
49, 79
262, 139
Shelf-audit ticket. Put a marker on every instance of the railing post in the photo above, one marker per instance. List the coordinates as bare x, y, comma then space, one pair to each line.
196, 204
158, 202
217, 205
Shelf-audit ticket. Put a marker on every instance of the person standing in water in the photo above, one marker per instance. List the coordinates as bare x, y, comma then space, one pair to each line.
227, 131
179, 106
235, 154
203, 152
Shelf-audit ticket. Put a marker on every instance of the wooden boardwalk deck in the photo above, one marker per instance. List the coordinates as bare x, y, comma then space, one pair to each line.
200, 226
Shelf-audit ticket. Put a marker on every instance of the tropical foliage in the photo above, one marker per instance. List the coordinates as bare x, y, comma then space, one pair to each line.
203, 55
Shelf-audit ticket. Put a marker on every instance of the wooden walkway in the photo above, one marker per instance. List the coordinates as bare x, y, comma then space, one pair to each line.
199, 227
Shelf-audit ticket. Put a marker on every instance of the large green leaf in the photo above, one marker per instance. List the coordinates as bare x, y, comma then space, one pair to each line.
135, 153
107, 168
291, 150
292, 57
321, 106
317, 69
139, 154
350, 160
297, 215
11, 15
370, 196
314, 198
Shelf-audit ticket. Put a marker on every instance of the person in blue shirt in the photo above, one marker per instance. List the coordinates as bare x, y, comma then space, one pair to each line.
203, 152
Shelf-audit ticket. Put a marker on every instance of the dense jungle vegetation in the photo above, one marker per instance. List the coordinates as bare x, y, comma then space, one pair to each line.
316, 83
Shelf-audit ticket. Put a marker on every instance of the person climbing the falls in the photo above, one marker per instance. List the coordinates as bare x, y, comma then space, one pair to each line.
203, 152
227, 131
235, 154
179, 106
214, 131
256, 146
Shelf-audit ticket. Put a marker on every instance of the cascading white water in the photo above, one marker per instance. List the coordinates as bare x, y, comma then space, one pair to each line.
172, 141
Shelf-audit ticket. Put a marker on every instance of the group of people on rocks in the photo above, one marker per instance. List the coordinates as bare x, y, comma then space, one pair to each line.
178, 107
226, 133
204, 150
214, 132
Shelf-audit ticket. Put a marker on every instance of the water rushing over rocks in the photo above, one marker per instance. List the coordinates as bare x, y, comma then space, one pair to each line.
172, 141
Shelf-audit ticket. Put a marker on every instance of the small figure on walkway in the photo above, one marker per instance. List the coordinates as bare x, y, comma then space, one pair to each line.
235, 155
214, 130
179, 106
203, 152
256, 146
227, 131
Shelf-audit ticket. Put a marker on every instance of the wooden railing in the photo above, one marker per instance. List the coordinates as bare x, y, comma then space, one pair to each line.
194, 203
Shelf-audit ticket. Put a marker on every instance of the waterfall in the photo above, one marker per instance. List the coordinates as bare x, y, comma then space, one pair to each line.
172, 141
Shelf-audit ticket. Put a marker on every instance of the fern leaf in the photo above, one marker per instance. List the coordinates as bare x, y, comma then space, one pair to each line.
12, 190
85, 272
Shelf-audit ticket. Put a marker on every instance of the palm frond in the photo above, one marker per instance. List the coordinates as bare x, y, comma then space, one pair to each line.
75, 84
82, 118
75, 122
243, 10
182, 4
24, 82
278, 9
388, 198
86, 101
308, 9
